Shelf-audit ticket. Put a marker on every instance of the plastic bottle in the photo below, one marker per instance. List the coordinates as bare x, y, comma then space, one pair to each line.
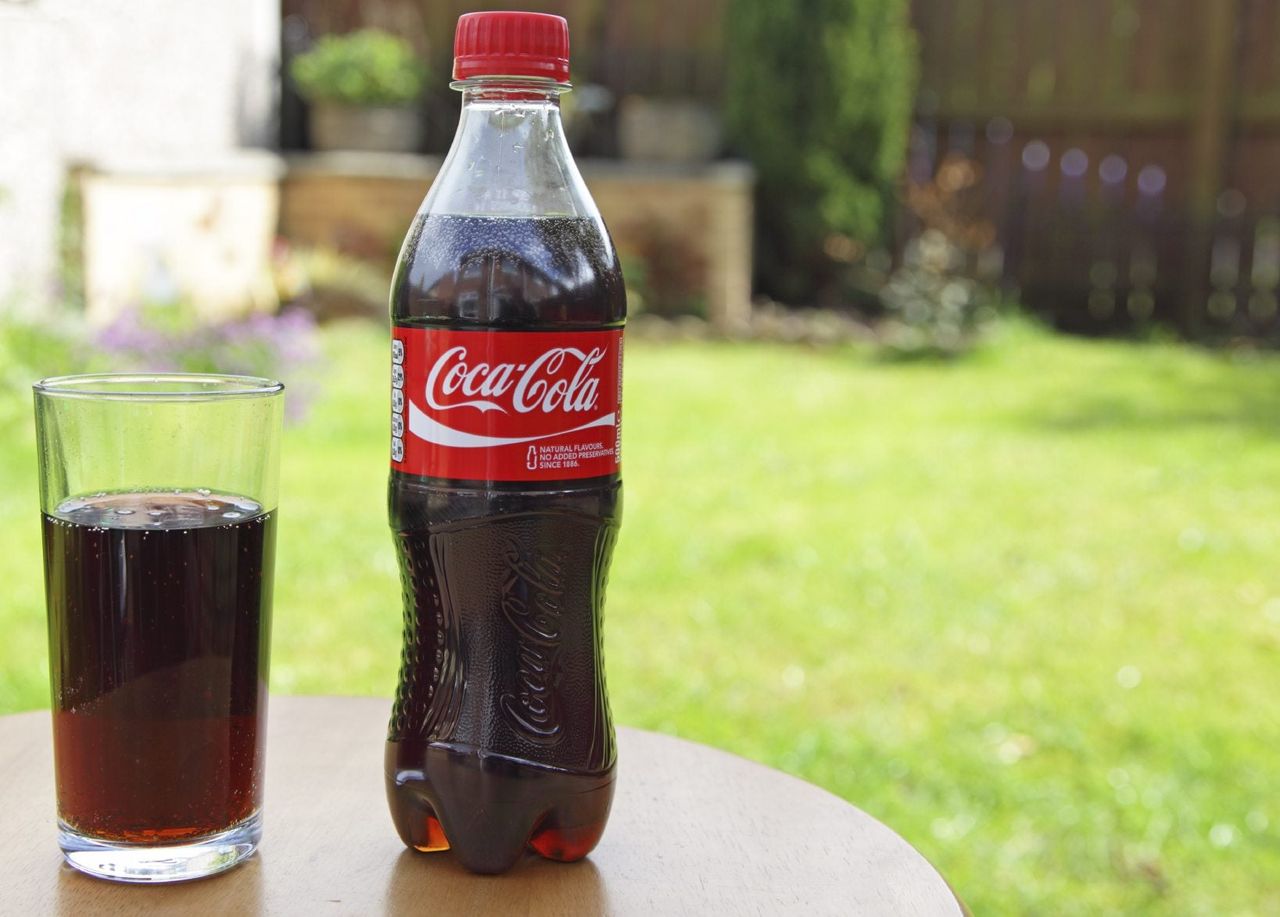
507, 312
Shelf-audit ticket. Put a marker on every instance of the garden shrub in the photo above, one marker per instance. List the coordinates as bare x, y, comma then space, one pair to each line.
368, 67
819, 98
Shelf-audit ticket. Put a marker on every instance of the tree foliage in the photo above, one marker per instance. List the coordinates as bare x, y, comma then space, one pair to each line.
820, 96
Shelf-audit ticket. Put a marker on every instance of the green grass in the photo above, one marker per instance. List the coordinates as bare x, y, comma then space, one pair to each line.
1023, 607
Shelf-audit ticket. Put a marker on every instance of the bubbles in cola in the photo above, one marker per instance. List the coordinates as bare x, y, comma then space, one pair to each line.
160, 618
505, 495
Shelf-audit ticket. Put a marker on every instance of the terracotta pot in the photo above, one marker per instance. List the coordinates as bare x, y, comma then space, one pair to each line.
393, 129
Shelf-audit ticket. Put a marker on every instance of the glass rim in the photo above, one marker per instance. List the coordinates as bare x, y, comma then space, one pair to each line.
159, 387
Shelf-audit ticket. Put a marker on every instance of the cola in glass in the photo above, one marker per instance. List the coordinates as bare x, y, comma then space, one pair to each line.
160, 621
505, 494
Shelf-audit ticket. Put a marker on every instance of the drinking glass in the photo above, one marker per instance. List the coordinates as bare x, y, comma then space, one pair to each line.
158, 495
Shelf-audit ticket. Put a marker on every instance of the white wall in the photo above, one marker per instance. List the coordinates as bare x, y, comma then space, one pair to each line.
168, 81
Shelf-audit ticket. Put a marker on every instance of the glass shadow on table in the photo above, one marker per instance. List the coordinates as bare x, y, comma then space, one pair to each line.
416, 875
232, 891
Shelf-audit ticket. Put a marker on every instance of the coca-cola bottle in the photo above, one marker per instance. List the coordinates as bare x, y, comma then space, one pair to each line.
507, 310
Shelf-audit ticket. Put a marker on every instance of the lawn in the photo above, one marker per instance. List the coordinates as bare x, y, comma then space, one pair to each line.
1023, 607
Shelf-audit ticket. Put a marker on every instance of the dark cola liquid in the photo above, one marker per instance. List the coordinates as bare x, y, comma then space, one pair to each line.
501, 737
159, 623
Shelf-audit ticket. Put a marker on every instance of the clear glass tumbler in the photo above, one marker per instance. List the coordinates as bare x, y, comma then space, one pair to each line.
158, 495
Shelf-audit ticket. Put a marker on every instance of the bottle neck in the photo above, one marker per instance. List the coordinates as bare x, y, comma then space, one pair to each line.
510, 90
510, 156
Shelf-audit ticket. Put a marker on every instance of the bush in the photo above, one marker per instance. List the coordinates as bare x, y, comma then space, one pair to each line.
30, 351
369, 67
663, 276
819, 98
944, 294
329, 284
161, 338
934, 308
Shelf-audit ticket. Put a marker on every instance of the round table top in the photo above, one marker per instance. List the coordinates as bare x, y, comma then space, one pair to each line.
693, 830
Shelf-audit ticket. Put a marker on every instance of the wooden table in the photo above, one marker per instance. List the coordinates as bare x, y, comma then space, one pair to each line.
694, 830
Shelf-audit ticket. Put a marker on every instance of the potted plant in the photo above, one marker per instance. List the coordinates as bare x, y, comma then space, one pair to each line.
361, 87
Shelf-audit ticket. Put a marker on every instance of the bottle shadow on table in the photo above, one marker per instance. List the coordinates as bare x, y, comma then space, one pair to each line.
536, 885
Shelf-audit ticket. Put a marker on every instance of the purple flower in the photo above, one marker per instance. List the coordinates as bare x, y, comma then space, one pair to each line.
283, 346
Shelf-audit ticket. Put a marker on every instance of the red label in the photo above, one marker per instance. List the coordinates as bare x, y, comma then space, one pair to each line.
506, 405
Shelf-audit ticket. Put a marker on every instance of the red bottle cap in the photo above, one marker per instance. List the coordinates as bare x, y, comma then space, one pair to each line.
511, 44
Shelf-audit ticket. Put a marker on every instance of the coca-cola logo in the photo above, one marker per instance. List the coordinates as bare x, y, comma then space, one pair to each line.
532, 602
506, 405
560, 380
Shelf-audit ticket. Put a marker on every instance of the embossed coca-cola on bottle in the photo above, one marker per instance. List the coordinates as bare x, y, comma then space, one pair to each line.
507, 309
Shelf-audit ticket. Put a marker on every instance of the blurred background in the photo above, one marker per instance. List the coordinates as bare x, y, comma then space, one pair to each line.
952, 394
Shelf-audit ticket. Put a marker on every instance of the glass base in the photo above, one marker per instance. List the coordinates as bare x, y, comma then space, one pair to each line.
127, 862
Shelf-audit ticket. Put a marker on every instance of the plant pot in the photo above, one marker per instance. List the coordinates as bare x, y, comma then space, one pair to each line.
387, 128
668, 130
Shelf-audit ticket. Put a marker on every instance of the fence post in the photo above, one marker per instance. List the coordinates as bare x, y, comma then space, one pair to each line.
1210, 136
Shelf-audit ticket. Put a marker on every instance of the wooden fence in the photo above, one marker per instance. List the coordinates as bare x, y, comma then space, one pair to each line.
655, 47
670, 48
1128, 148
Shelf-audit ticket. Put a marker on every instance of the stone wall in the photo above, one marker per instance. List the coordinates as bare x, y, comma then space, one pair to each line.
165, 81
202, 233
695, 219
